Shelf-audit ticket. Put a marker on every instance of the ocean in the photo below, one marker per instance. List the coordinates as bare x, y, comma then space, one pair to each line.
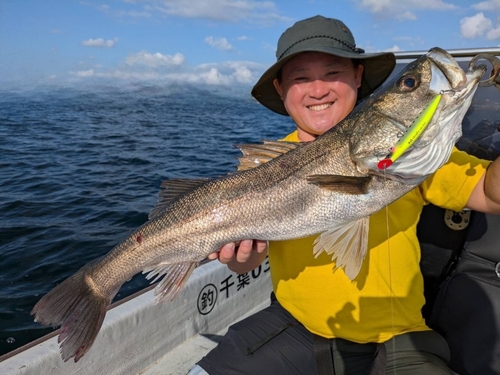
80, 168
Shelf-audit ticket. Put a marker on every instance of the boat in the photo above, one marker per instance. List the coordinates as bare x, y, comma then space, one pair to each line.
139, 336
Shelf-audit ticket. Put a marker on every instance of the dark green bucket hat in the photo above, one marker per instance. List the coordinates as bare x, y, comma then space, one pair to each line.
328, 35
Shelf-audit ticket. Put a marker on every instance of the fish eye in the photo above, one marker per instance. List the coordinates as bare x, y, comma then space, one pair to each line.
408, 83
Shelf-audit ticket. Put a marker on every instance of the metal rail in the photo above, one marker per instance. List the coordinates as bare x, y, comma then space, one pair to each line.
466, 52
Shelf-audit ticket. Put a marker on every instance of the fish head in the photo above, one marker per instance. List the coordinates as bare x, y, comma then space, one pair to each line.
391, 112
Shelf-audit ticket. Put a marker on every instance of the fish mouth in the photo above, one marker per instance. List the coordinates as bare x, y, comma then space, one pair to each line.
445, 67
432, 149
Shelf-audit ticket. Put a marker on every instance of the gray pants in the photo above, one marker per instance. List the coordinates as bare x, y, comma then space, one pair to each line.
273, 342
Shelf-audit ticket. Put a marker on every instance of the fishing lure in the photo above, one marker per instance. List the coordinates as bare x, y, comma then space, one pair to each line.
411, 134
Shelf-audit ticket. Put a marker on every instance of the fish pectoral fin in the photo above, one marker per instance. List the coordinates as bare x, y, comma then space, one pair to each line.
345, 184
260, 153
170, 190
176, 276
347, 244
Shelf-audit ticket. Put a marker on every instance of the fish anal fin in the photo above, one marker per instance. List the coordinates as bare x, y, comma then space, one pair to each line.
172, 189
260, 153
347, 244
345, 184
176, 276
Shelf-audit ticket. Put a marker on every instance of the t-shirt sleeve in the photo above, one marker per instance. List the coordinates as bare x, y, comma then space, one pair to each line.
451, 186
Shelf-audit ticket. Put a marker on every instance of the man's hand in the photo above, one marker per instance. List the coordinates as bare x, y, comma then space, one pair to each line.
241, 257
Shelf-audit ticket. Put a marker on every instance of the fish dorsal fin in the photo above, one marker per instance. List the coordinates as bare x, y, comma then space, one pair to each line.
344, 184
347, 244
172, 189
260, 153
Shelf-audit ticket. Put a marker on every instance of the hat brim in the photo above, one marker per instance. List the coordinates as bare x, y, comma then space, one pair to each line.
377, 67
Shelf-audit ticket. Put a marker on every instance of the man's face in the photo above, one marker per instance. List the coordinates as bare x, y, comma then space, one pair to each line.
318, 90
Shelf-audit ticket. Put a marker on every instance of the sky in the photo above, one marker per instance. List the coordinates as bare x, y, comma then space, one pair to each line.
209, 42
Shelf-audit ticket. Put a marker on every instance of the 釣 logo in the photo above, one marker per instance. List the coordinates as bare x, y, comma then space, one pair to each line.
207, 299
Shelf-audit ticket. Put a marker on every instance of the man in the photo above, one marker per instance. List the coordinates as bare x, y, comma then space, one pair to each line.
319, 321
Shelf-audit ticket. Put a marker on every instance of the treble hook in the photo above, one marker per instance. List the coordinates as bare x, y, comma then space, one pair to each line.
494, 78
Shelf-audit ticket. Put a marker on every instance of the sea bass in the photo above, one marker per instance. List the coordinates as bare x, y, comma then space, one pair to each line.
283, 191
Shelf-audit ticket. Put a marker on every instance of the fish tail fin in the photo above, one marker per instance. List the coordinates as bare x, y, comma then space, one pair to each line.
80, 310
176, 276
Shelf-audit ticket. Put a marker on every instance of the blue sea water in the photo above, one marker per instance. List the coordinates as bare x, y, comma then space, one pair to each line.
81, 168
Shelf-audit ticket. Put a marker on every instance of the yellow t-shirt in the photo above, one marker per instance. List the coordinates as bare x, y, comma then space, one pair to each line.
386, 297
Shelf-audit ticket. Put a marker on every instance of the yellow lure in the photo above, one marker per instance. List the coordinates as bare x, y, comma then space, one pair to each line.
411, 134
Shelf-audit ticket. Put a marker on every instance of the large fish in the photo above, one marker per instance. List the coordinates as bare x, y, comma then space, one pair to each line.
329, 186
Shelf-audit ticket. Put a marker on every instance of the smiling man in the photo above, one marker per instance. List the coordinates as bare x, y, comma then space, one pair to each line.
320, 321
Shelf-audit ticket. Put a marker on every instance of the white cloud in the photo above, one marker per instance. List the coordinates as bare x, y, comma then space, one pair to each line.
493, 34
155, 60
234, 71
402, 9
84, 73
119, 13
487, 5
475, 26
232, 11
214, 77
406, 16
371, 49
222, 10
394, 48
481, 24
219, 74
100, 42
220, 43
243, 74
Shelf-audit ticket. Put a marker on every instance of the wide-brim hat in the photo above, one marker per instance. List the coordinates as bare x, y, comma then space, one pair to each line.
328, 35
